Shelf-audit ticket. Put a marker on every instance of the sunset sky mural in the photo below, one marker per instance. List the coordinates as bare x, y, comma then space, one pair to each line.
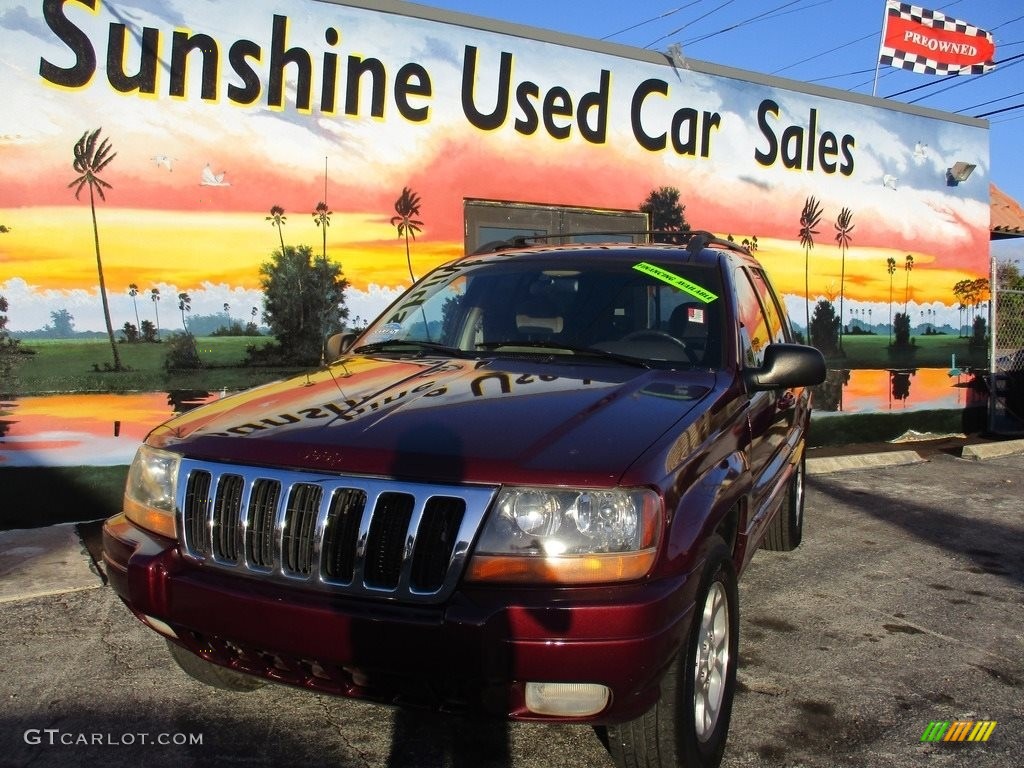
292, 103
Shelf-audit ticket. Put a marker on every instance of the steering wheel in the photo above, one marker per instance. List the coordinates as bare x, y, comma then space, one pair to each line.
654, 335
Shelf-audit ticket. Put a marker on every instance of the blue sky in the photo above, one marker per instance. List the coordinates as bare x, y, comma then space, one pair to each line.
832, 43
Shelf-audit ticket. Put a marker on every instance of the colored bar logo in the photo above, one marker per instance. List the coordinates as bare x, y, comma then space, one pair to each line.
958, 730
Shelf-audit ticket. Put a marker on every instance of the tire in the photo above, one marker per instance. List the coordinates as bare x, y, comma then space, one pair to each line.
211, 674
689, 724
787, 529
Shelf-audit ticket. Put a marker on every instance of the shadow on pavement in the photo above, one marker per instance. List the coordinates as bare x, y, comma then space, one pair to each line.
993, 547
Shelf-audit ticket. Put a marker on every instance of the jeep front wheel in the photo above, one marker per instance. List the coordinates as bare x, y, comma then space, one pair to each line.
689, 724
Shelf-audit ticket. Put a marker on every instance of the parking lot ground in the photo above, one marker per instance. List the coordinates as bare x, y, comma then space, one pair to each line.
904, 606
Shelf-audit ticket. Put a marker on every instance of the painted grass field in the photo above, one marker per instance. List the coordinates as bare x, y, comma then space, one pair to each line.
873, 352
58, 365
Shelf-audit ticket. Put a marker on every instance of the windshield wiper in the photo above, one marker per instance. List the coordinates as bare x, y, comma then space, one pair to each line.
432, 346
577, 351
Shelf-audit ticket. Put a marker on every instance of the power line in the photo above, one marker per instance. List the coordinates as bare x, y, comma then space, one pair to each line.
823, 53
1007, 119
764, 16
990, 101
653, 19
1005, 23
714, 10
1000, 111
836, 77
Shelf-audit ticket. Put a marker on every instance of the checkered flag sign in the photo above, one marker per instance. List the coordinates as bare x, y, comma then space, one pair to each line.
931, 43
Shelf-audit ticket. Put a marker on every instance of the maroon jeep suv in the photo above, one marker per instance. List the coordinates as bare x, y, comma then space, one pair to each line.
527, 489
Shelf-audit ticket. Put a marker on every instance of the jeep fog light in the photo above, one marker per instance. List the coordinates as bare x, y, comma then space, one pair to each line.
566, 699
150, 489
568, 536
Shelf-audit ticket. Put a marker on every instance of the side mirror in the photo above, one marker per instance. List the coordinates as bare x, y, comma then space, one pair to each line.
785, 366
338, 344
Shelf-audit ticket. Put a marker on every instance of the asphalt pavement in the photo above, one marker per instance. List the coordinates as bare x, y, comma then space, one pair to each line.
903, 607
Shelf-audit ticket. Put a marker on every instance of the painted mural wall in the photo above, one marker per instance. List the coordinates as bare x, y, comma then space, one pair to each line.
219, 111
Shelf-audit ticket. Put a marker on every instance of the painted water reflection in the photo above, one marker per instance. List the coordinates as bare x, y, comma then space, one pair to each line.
909, 389
77, 429
105, 429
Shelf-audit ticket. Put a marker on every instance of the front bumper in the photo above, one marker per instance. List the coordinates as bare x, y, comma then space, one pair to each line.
474, 653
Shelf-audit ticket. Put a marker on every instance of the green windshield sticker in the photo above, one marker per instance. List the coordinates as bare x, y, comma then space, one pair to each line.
702, 294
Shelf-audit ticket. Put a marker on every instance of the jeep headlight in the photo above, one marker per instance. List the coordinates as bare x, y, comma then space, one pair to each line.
150, 490
568, 536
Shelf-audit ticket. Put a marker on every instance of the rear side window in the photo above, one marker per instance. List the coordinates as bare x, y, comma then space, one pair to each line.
760, 321
777, 320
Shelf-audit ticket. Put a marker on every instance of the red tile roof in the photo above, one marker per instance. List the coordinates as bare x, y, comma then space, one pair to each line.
1007, 214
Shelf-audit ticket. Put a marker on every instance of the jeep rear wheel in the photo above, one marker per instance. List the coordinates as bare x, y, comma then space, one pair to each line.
212, 674
689, 724
787, 529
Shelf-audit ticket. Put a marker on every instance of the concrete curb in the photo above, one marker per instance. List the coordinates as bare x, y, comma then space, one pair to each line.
36, 562
827, 464
983, 451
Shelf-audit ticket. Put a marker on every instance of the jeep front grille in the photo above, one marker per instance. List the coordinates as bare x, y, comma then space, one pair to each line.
358, 536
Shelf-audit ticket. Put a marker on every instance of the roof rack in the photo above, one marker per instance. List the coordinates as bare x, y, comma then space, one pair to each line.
694, 240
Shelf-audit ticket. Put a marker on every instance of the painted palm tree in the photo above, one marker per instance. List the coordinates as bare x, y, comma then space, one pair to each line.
322, 218
908, 265
844, 226
92, 156
278, 219
154, 295
185, 305
810, 217
407, 206
133, 291
891, 266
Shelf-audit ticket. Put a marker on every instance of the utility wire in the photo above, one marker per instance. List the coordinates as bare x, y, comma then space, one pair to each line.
823, 53
998, 26
1000, 111
664, 15
1007, 119
990, 101
764, 16
714, 10
826, 78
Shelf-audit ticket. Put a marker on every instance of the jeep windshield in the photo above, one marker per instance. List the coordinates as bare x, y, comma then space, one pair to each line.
628, 306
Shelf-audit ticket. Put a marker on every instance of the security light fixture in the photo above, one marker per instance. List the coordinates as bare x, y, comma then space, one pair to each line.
960, 171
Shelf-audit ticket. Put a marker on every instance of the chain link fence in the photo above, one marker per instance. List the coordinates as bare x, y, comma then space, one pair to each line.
1006, 374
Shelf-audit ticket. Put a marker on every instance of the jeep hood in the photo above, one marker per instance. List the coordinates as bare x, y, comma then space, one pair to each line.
446, 420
